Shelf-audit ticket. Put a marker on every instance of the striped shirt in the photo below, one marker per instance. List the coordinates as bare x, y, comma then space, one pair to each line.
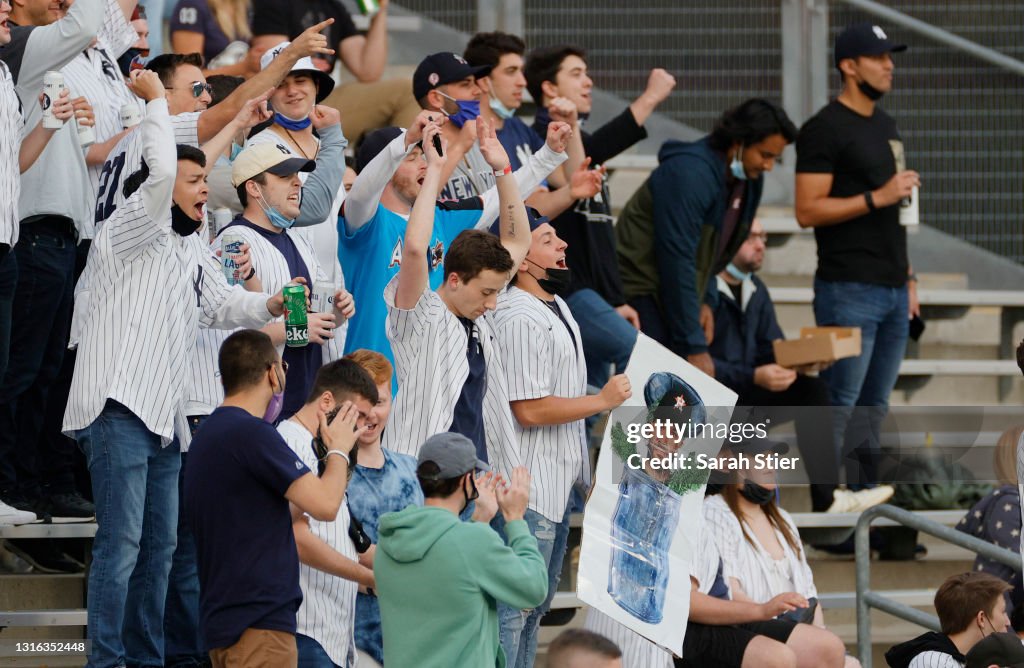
205, 392
323, 237
637, 651
429, 344
542, 358
94, 74
328, 610
752, 566
151, 290
12, 133
933, 659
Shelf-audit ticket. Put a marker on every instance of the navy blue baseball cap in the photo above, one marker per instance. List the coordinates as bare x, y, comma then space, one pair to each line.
864, 39
534, 216
443, 68
372, 144
669, 396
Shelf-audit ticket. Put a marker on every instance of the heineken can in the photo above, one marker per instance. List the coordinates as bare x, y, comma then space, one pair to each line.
296, 327
230, 250
368, 7
53, 85
321, 300
131, 115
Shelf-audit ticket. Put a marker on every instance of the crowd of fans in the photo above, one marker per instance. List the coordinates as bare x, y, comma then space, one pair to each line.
392, 482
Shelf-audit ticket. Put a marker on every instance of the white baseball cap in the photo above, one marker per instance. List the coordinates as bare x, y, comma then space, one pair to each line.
324, 82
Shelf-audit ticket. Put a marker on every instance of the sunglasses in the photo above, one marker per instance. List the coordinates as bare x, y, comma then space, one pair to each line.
197, 88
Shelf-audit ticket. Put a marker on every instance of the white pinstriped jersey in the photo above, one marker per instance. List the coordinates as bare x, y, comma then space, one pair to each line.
151, 290
933, 659
94, 74
328, 610
323, 237
750, 565
542, 359
429, 344
637, 651
12, 132
205, 391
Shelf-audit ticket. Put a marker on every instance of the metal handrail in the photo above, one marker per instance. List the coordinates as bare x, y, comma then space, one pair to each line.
867, 599
939, 35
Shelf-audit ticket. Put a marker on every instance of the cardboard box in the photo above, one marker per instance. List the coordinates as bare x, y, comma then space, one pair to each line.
818, 344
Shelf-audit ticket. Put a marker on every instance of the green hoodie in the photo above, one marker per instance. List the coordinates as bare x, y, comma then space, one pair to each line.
438, 580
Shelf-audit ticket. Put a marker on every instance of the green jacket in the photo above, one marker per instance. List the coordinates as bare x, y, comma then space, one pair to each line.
438, 583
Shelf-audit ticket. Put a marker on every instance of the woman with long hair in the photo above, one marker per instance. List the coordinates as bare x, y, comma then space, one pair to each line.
218, 29
762, 555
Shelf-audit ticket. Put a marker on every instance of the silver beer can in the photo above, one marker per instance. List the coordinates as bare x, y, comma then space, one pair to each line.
321, 299
53, 85
131, 115
230, 250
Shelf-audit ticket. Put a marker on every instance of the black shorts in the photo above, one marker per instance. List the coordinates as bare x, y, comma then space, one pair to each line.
723, 646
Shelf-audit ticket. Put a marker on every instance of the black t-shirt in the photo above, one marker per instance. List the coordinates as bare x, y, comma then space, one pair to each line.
291, 17
862, 154
239, 469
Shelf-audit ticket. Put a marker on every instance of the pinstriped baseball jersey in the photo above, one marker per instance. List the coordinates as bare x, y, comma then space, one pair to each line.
152, 289
12, 132
328, 610
542, 359
205, 392
637, 651
429, 344
932, 659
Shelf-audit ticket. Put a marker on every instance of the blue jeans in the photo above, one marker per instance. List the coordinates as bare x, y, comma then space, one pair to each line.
518, 628
312, 654
608, 338
40, 319
8, 282
183, 644
135, 488
864, 382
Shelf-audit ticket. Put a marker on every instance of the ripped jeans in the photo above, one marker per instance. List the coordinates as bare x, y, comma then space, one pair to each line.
518, 628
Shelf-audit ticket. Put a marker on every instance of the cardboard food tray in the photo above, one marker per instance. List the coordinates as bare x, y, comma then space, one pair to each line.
818, 344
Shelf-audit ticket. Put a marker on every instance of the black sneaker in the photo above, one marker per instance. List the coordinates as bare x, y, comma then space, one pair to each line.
44, 555
68, 507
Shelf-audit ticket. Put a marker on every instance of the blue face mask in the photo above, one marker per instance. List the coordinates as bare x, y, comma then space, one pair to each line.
736, 166
500, 110
468, 110
235, 150
736, 273
275, 216
291, 123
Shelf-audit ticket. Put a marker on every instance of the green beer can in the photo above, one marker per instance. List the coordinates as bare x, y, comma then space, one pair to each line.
296, 326
368, 7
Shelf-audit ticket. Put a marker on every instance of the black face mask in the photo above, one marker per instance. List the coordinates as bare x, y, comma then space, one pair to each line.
470, 497
556, 281
124, 63
756, 494
870, 91
182, 223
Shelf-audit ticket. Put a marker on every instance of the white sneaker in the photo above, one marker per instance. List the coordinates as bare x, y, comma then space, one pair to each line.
845, 501
9, 515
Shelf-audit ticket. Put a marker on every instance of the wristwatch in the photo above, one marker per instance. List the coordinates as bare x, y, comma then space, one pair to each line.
870, 200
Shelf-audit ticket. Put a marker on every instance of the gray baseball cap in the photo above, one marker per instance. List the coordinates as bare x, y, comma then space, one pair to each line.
454, 455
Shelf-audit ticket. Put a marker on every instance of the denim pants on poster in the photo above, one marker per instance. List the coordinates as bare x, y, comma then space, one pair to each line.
135, 487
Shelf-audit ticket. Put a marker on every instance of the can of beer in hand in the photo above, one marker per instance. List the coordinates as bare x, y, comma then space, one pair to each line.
53, 85
910, 213
296, 325
86, 135
230, 251
321, 300
131, 115
368, 7
222, 217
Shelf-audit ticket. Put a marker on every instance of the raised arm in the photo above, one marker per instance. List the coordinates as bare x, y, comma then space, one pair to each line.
366, 57
324, 183
252, 113
308, 43
413, 275
514, 224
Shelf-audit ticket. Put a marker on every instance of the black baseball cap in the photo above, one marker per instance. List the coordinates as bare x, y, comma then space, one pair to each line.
372, 144
1001, 649
864, 39
443, 68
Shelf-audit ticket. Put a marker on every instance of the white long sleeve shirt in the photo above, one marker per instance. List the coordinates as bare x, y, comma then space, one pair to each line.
151, 290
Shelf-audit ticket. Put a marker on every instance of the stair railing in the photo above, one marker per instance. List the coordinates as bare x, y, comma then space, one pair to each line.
867, 599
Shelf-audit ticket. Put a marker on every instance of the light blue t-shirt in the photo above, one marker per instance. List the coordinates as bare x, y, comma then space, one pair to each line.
371, 257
